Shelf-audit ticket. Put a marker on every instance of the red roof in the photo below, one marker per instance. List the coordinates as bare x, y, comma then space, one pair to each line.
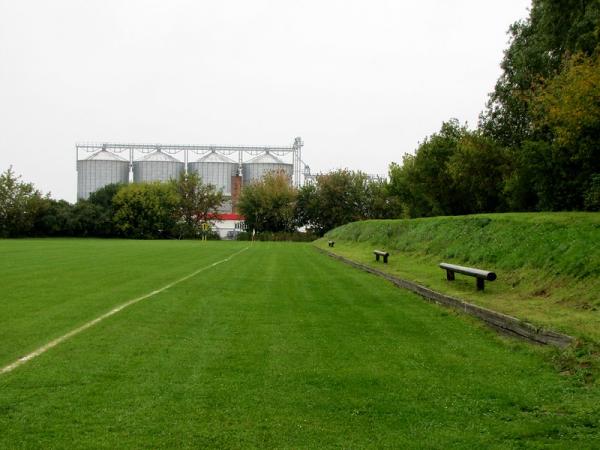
227, 216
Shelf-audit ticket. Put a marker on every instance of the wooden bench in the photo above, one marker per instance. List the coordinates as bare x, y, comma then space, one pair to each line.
481, 275
379, 253
331, 243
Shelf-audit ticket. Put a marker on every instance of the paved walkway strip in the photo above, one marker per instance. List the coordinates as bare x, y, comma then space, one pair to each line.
112, 312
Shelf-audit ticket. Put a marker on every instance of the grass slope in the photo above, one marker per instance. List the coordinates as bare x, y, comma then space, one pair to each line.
279, 347
548, 264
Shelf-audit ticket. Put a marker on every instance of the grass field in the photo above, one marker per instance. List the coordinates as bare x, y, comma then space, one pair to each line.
278, 347
548, 264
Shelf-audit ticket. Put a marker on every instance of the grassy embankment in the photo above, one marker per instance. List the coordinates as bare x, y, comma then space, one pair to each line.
278, 347
548, 264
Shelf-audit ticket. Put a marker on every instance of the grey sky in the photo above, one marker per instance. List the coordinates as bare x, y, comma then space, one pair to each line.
361, 81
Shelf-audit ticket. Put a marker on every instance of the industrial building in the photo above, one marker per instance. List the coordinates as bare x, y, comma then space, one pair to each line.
229, 168
98, 170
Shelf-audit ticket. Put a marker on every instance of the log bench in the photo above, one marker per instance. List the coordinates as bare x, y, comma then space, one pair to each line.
379, 253
481, 275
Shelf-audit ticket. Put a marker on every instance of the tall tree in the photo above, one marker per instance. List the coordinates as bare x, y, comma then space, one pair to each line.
20, 203
564, 156
478, 170
198, 203
98, 215
269, 204
337, 198
423, 182
146, 210
54, 218
538, 46
381, 203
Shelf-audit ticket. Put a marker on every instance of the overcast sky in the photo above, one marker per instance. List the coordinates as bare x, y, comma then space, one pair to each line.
362, 82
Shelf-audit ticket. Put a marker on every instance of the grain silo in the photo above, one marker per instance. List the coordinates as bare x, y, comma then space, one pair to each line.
157, 166
100, 169
257, 168
216, 169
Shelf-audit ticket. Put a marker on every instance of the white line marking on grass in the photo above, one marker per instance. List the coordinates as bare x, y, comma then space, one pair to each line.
112, 312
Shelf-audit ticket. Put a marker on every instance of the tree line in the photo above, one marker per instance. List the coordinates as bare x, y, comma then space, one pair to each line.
272, 207
537, 144
175, 209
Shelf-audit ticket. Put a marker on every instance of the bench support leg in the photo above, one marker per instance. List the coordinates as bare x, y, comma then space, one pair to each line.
376, 257
385, 259
449, 275
480, 284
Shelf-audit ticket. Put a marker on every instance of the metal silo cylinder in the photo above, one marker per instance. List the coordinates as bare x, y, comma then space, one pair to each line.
216, 169
255, 169
157, 166
100, 169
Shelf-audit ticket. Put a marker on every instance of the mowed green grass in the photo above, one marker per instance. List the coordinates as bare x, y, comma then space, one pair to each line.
278, 347
49, 286
548, 264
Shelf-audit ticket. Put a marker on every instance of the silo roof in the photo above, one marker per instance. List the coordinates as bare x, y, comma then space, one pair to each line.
104, 155
214, 157
266, 158
159, 156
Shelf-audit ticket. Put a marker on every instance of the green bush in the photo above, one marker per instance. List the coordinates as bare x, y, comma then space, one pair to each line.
295, 236
592, 196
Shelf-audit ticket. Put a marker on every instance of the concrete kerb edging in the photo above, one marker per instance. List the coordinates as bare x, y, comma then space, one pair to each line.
501, 322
